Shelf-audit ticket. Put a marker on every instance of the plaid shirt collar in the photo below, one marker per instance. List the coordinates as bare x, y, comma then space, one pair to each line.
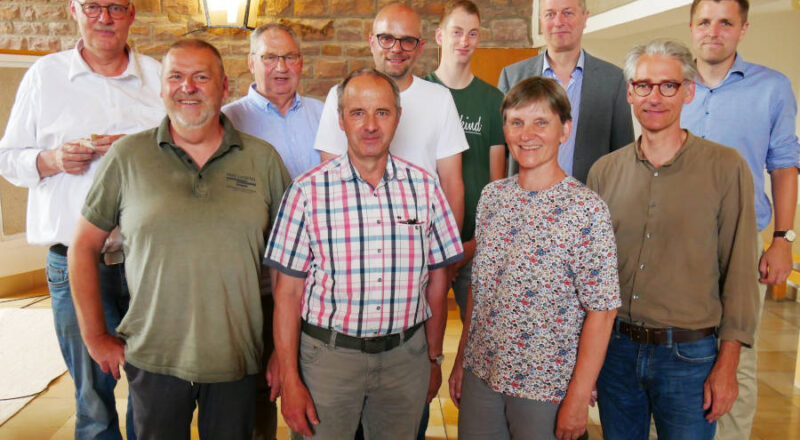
348, 171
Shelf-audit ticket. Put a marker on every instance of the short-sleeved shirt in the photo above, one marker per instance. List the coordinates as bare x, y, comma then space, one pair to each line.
193, 245
478, 106
686, 237
543, 258
364, 252
752, 110
292, 135
429, 127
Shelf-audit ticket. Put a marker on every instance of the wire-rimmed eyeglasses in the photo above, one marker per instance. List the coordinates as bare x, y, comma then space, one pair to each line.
291, 59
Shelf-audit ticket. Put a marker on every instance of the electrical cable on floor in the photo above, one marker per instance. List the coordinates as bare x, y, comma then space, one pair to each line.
18, 397
23, 298
35, 302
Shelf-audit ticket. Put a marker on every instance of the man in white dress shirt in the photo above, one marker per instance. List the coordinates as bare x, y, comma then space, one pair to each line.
70, 107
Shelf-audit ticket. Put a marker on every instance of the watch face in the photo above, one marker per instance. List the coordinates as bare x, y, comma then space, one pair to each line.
790, 236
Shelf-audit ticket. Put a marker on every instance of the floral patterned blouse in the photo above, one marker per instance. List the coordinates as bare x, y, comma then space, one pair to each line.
543, 258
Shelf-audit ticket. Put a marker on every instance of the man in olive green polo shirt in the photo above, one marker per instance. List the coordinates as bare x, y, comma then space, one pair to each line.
194, 200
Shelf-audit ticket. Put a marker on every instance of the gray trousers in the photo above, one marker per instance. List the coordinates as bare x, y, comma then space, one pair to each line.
487, 414
163, 406
386, 391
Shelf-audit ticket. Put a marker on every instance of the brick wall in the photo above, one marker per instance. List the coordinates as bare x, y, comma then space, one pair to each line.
333, 32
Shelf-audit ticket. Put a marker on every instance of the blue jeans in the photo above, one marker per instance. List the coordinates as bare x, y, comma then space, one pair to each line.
96, 413
666, 380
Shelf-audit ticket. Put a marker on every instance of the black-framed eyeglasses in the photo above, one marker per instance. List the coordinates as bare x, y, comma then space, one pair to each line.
291, 59
387, 41
115, 10
667, 89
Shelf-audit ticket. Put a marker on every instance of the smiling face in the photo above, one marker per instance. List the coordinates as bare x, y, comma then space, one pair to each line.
280, 79
533, 133
563, 22
717, 28
369, 118
399, 21
192, 86
656, 112
459, 36
103, 35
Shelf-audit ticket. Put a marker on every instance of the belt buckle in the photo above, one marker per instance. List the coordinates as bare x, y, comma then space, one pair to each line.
373, 345
640, 335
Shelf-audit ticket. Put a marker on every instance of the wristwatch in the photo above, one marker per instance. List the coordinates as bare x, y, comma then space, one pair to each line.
438, 360
787, 235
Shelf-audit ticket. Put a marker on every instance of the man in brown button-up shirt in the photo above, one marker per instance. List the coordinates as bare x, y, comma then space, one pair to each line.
682, 211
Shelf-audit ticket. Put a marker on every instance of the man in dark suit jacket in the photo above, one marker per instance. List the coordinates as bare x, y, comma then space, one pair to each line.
601, 114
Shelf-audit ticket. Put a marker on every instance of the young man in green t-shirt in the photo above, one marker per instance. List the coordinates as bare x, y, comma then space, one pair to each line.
478, 105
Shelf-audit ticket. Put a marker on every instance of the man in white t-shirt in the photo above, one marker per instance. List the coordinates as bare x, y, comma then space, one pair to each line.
430, 133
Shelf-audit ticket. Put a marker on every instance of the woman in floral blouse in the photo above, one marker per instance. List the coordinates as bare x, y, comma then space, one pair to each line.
544, 286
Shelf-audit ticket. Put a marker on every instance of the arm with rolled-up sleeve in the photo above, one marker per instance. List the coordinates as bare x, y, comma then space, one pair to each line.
18, 148
784, 150
737, 258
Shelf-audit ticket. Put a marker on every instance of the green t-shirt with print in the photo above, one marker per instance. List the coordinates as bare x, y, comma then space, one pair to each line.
478, 106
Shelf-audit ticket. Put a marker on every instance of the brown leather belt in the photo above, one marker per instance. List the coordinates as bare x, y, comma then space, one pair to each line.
378, 344
658, 336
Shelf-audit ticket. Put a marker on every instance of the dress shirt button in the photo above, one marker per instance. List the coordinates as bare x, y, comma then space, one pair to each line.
378, 308
656, 174
380, 280
641, 266
635, 296
379, 251
379, 221
648, 235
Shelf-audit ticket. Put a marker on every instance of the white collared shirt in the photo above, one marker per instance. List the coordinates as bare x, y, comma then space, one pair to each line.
61, 99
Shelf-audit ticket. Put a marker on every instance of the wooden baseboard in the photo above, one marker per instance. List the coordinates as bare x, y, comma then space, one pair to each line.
23, 283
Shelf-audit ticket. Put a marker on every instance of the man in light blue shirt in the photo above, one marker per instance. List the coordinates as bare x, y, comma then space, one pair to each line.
751, 108
272, 109
566, 152
275, 112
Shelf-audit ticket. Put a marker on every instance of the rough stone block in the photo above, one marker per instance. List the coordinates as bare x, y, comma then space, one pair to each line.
12, 42
310, 8
44, 44
30, 28
63, 28
359, 64
276, 7
361, 50
50, 12
153, 6
9, 11
353, 7
335, 69
310, 29
318, 88
511, 30
331, 50
168, 32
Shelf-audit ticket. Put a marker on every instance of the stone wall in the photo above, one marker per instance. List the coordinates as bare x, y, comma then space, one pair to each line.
333, 32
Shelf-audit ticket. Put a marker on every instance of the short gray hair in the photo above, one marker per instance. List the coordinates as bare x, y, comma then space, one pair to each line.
361, 72
665, 48
255, 36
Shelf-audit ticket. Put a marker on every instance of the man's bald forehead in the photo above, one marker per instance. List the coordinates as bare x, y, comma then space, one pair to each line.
398, 11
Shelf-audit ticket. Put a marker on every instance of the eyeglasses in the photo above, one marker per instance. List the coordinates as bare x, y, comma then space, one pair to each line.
387, 41
270, 59
667, 89
93, 10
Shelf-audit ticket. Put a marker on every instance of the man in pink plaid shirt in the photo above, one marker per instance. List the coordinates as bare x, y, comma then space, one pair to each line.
361, 242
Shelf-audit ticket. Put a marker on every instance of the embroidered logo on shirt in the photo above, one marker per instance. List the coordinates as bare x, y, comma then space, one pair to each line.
241, 183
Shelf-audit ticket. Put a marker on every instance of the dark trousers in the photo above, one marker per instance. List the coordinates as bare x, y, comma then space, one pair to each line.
163, 406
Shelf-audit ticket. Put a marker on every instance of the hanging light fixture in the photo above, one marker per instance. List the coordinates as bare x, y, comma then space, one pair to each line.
230, 13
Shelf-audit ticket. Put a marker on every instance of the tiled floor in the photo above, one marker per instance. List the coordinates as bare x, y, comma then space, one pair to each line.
51, 414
